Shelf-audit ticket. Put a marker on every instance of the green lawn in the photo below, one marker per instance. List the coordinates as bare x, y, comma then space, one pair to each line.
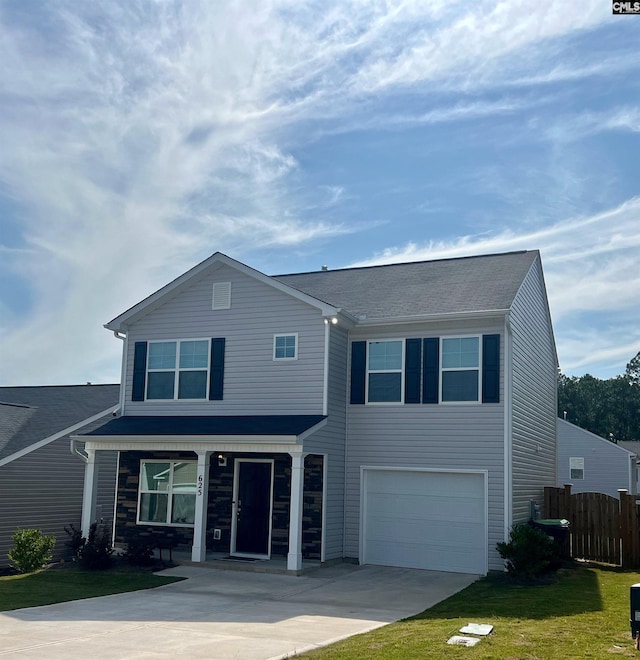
584, 615
60, 585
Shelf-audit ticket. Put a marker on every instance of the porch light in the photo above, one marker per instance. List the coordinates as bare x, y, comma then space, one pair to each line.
222, 460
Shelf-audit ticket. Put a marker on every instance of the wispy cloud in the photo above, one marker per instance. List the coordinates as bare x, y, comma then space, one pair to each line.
591, 270
138, 137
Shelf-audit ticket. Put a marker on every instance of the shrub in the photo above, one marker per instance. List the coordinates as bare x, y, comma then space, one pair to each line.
139, 553
75, 542
31, 550
529, 554
93, 552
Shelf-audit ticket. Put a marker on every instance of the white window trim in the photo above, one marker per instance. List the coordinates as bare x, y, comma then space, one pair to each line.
168, 492
177, 369
442, 370
285, 359
578, 461
385, 371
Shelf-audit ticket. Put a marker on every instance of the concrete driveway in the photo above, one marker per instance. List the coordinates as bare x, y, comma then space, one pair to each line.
226, 614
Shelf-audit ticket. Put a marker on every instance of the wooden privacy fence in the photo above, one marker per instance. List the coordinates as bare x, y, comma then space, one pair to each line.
603, 528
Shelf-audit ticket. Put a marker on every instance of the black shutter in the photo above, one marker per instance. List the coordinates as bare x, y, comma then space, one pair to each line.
139, 371
358, 371
430, 369
216, 373
491, 369
412, 370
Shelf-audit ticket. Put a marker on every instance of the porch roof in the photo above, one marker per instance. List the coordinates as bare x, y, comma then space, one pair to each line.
224, 425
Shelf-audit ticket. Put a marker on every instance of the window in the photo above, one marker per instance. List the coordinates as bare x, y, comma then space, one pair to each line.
385, 360
178, 369
460, 369
576, 468
167, 492
285, 347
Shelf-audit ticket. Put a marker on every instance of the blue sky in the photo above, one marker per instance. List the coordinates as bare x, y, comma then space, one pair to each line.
140, 137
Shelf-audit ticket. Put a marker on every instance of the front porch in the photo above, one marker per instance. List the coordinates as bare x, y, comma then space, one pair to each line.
275, 564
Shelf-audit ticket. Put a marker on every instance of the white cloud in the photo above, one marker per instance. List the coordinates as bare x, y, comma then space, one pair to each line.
591, 272
140, 137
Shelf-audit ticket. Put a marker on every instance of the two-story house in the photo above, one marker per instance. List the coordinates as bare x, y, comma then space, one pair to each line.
400, 415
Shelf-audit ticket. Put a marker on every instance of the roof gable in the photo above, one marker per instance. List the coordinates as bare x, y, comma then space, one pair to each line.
215, 261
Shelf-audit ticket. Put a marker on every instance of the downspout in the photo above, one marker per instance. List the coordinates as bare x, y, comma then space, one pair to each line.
73, 447
508, 422
125, 350
325, 384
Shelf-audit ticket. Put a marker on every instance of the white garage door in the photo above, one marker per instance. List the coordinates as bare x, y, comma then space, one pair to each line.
422, 519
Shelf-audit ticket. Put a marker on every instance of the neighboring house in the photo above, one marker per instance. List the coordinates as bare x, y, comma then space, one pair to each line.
41, 484
399, 415
592, 464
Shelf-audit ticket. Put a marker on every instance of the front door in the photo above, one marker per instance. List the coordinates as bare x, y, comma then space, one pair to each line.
252, 489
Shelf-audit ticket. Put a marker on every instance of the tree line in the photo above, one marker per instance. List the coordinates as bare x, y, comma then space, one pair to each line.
609, 408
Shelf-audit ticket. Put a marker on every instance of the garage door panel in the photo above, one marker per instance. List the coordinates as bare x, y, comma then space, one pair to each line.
447, 533
424, 519
435, 558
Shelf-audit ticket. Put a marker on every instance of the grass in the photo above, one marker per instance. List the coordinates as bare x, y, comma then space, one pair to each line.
60, 585
584, 615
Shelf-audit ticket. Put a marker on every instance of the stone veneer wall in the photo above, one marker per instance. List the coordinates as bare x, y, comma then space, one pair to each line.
219, 504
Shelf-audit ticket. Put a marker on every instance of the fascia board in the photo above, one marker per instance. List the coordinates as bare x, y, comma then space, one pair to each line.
221, 444
56, 436
148, 304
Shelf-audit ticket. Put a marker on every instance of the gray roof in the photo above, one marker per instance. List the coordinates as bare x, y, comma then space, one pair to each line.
208, 425
447, 286
31, 414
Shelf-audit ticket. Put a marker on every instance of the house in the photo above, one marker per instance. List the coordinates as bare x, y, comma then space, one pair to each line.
592, 464
41, 486
399, 415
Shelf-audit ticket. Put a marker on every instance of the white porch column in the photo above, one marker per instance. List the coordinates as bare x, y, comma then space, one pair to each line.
294, 558
199, 549
89, 492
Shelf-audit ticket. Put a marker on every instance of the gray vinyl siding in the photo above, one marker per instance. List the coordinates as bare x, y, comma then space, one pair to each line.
534, 400
330, 440
606, 465
253, 382
43, 490
437, 436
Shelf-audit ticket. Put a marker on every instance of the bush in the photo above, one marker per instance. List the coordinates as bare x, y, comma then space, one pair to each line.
75, 542
529, 554
139, 553
31, 550
93, 552
96, 553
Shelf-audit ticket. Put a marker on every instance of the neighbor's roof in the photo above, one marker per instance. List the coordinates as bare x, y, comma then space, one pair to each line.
29, 415
207, 425
448, 286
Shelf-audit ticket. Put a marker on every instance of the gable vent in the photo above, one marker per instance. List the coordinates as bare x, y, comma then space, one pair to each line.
221, 295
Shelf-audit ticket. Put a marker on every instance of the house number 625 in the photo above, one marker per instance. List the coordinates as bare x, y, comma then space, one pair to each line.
200, 484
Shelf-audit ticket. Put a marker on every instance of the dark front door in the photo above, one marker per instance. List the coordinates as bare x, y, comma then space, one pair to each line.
253, 507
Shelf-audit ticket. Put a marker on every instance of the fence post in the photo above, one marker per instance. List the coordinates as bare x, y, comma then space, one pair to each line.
629, 531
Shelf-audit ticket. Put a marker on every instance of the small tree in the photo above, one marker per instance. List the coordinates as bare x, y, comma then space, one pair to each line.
529, 552
31, 550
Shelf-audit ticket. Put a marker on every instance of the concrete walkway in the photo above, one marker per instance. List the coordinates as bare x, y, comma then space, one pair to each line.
226, 614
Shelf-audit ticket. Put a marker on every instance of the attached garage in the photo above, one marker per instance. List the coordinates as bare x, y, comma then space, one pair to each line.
428, 519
